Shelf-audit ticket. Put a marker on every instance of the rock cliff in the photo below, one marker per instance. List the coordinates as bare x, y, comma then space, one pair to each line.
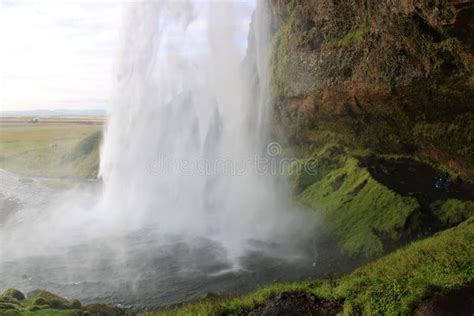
394, 76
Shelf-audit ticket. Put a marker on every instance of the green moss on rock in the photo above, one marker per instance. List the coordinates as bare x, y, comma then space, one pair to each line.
14, 293
454, 137
360, 211
392, 78
351, 37
312, 169
281, 47
50, 299
452, 212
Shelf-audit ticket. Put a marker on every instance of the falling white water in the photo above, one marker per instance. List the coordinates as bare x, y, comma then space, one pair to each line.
263, 43
188, 191
179, 147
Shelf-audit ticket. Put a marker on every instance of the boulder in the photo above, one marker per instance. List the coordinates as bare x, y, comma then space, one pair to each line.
14, 293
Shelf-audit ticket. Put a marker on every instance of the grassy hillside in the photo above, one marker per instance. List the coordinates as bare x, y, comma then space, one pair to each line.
361, 210
57, 149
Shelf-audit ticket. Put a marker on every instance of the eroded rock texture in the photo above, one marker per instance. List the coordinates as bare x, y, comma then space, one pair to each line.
394, 76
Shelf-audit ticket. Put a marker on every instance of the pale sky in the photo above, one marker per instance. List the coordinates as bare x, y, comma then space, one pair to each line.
59, 54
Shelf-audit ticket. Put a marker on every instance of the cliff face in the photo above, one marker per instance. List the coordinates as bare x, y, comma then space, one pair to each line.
394, 76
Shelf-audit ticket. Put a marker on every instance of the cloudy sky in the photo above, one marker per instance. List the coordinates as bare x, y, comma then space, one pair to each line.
59, 54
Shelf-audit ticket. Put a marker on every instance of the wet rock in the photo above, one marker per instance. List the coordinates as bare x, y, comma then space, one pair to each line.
103, 310
50, 299
75, 304
297, 304
14, 293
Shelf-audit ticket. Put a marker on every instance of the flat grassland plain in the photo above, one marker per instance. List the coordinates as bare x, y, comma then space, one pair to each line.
58, 147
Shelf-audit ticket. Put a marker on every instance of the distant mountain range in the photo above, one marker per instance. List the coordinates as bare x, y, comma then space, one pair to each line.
58, 112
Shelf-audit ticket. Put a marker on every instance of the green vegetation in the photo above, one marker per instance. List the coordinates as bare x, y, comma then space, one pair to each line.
84, 157
14, 293
359, 210
51, 300
371, 93
392, 285
280, 52
430, 133
366, 216
56, 150
13, 303
451, 212
351, 37
455, 137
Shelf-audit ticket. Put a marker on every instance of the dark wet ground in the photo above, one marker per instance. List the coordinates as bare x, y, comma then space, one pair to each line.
411, 177
458, 302
289, 304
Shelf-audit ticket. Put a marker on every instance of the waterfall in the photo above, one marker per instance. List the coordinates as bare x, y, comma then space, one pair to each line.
185, 150
191, 196
263, 43
179, 149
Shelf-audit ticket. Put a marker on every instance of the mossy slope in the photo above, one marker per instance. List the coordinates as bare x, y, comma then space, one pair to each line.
375, 204
359, 209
